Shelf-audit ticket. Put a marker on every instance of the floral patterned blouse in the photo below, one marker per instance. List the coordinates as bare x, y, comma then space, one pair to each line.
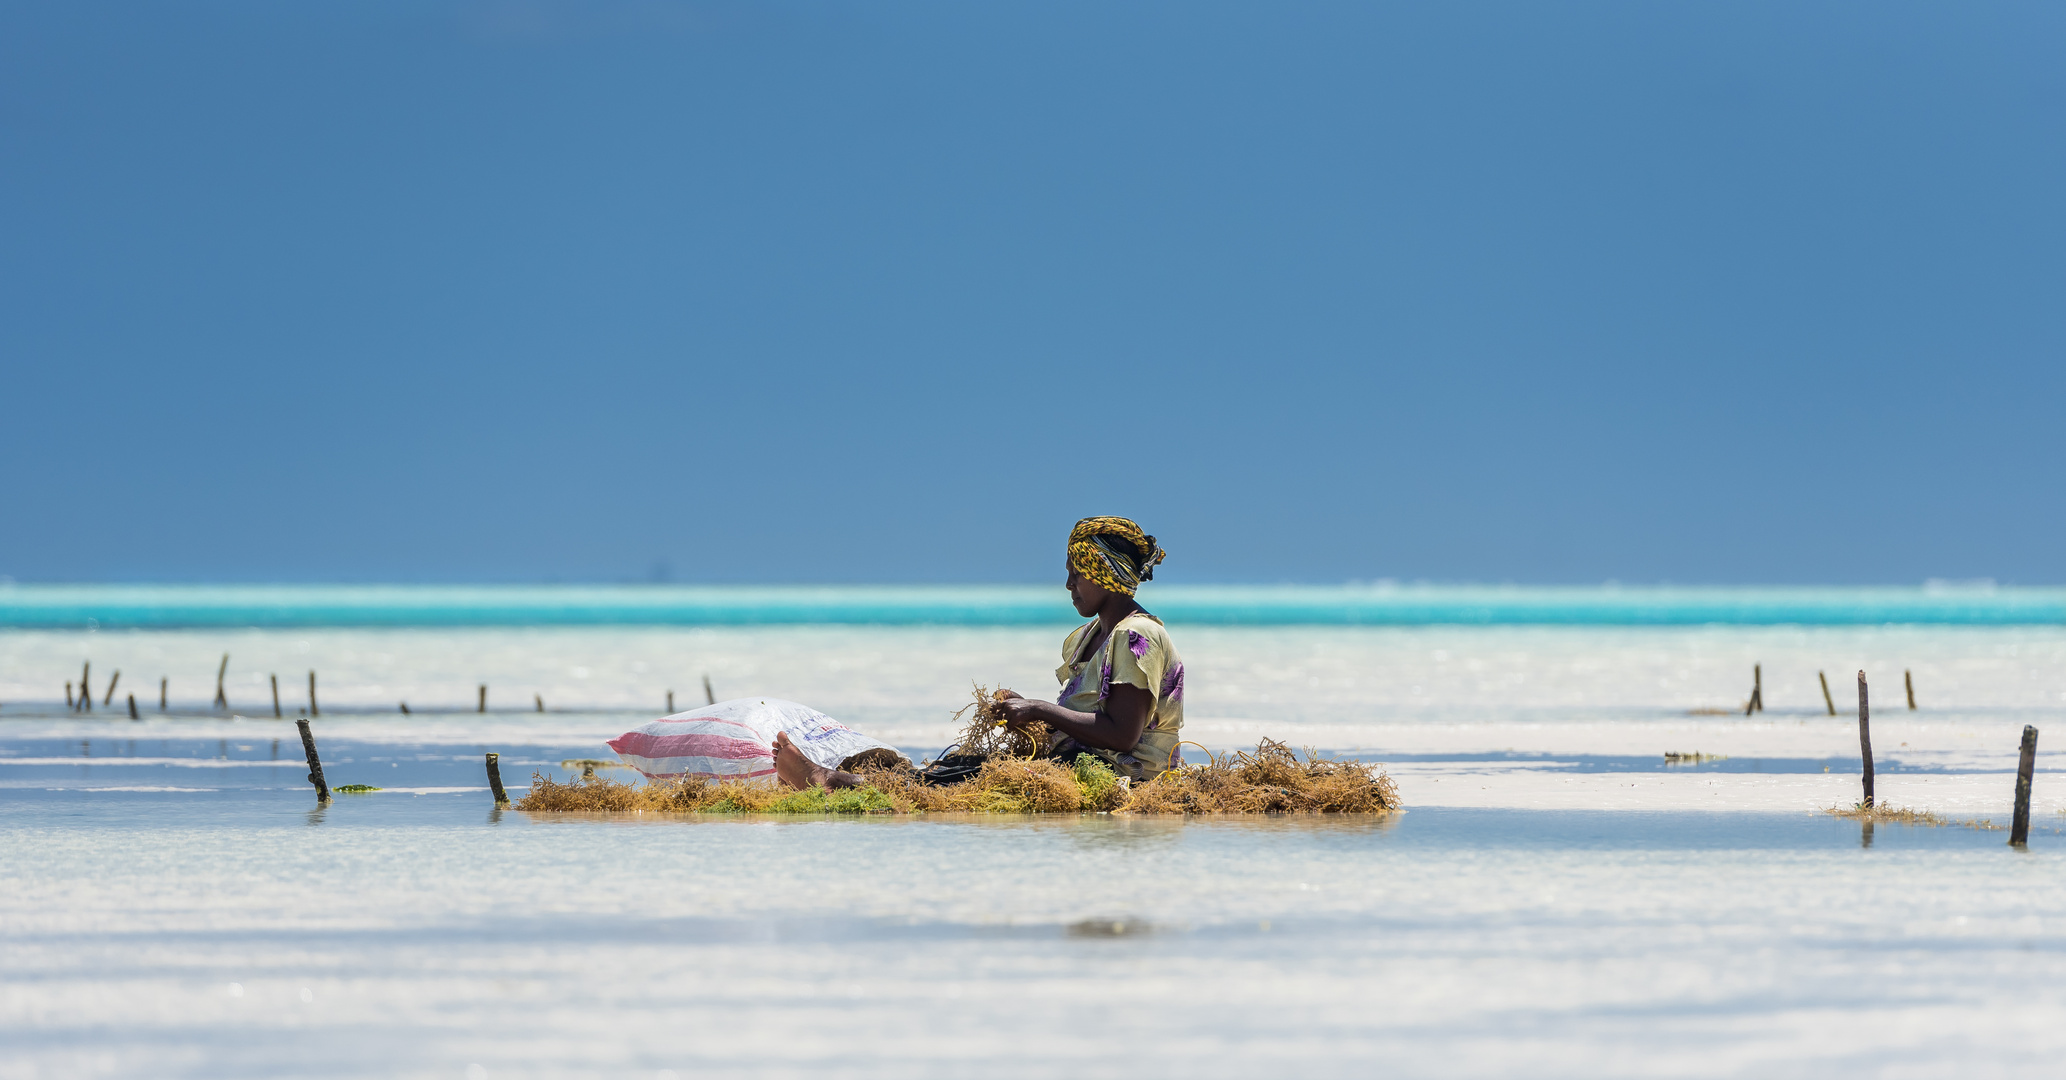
1138, 653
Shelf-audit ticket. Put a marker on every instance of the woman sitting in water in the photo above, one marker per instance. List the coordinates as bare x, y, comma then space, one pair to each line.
1122, 682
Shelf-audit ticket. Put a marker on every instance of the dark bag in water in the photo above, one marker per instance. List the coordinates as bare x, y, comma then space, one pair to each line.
951, 769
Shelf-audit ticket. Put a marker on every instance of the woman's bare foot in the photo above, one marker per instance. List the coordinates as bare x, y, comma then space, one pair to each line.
800, 772
794, 769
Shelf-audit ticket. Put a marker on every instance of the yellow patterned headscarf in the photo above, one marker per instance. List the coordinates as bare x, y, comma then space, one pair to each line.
1092, 554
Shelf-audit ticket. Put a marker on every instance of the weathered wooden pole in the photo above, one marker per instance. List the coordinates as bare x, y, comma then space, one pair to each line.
68, 695
538, 700
222, 700
162, 683
495, 779
2019, 828
132, 708
1826, 699
1865, 737
483, 706
315, 764
708, 693
1909, 681
312, 710
670, 703
1757, 686
276, 695
405, 708
86, 687
110, 698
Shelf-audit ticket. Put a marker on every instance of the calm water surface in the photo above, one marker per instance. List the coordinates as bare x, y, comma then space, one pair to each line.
177, 905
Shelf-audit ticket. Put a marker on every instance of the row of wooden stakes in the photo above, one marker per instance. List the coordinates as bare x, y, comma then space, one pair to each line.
83, 700
1757, 690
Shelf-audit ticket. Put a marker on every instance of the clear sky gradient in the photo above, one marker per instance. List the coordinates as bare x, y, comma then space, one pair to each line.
806, 292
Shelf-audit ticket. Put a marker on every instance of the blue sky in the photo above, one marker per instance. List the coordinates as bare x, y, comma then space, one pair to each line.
1565, 292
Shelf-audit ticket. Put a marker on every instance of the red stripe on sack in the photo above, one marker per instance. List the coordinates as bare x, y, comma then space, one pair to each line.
713, 766
695, 744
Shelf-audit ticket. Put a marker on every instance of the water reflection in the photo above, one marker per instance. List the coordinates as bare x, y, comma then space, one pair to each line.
1865, 833
1126, 832
1108, 832
1109, 928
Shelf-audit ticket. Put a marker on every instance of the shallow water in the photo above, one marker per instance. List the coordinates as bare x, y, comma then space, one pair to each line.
904, 682
250, 934
178, 905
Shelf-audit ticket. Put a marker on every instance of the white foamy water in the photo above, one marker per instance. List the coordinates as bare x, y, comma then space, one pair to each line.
908, 679
1556, 901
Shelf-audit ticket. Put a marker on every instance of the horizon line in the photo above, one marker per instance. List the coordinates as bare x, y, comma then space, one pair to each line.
1935, 583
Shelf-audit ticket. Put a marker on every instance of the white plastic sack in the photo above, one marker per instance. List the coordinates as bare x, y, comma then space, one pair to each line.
735, 739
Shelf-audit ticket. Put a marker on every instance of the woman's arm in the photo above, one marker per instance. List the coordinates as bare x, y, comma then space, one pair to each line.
1117, 726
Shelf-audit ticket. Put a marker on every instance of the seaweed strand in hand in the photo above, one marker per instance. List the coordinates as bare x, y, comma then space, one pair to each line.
986, 737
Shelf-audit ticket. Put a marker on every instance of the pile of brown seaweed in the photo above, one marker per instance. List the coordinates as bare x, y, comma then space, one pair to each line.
1013, 779
693, 795
1271, 780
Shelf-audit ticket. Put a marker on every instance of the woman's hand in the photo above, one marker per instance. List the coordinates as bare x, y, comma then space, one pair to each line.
1019, 713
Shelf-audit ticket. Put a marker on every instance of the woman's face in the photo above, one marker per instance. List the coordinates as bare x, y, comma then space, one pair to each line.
1087, 595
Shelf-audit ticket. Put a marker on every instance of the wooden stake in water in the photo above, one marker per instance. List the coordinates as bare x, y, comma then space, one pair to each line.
315, 764
1909, 680
86, 687
312, 710
670, 703
495, 779
110, 699
68, 695
222, 700
1757, 686
483, 706
2019, 828
405, 708
162, 682
538, 700
708, 693
1865, 737
1826, 699
276, 695
132, 708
